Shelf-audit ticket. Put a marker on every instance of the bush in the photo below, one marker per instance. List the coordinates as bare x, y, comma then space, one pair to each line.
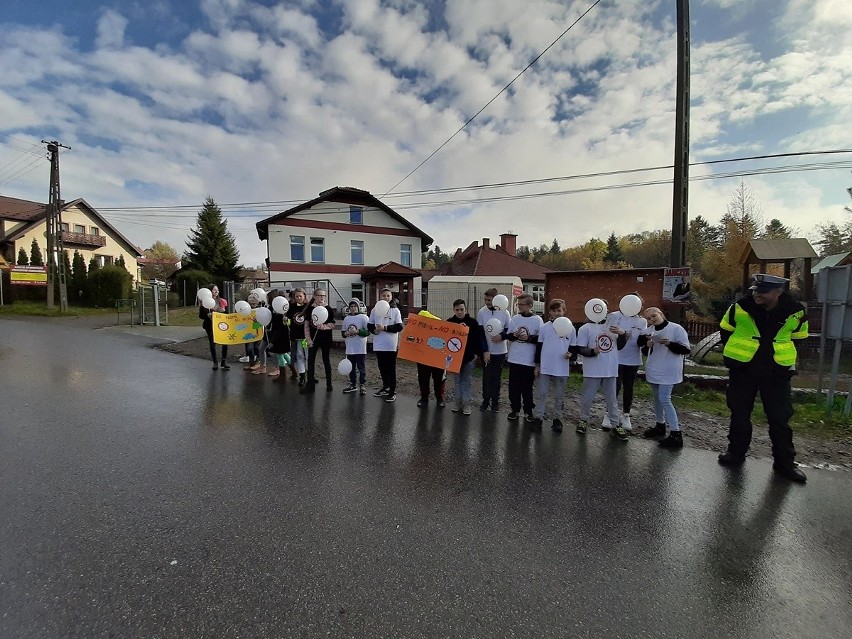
194, 279
106, 285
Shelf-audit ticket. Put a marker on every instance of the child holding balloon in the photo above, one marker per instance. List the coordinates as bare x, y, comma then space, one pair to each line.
256, 351
210, 302
386, 325
355, 332
600, 364
627, 319
279, 335
298, 343
318, 326
523, 332
494, 319
552, 354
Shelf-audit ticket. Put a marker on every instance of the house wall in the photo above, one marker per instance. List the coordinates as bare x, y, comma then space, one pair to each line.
72, 216
382, 236
577, 287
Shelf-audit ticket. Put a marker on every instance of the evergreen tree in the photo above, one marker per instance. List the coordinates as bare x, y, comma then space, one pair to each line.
23, 260
775, 230
94, 264
120, 262
554, 248
36, 258
613, 254
523, 252
211, 247
66, 262
77, 288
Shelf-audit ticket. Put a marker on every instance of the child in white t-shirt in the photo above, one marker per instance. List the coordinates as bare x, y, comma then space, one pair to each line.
355, 334
523, 333
599, 344
668, 345
552, 365
629, 361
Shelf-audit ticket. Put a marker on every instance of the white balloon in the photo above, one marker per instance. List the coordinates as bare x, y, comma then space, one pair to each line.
382, 308
596, 310
500, 302
493, 327
562, 326
205, 294
630, 305
280, 305
263, 315
209, 303
320, 315
260, 293
344, 367
243, 308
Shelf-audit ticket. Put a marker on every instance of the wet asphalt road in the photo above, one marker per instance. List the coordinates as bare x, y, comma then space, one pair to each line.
142, 494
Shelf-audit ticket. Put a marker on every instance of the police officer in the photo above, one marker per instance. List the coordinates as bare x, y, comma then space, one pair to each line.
758, 333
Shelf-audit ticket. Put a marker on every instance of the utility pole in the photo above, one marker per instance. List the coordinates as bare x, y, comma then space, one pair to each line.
680, 220
55, 250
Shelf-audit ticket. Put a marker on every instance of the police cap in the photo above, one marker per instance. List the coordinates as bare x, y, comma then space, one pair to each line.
763, 283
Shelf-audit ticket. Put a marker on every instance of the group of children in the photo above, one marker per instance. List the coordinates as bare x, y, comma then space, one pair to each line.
534, 349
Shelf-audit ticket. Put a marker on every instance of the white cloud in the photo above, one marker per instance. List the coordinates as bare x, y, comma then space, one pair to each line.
111, 26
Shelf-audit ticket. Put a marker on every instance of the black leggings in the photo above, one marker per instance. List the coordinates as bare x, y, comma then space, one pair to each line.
387, 369
626, 376
209, 331
325, 347
424, 374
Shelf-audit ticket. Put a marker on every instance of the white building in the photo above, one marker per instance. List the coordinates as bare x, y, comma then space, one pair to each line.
348, 240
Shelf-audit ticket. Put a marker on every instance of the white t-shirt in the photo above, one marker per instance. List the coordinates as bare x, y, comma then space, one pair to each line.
385, 341
355, 344
605, 364
635, 326
553, 349
485, 314
524, 352
663, 366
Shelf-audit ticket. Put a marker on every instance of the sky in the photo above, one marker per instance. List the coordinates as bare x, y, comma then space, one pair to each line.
253, 101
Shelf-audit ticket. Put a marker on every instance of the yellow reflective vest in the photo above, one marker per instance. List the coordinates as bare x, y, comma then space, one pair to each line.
745, 340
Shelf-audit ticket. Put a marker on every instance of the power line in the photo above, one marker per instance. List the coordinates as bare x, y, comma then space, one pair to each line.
499, 93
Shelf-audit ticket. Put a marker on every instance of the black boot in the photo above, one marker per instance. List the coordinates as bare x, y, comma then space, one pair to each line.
790, 471
308, 388
657, 431
302, 380
225, 365
674, 440
731, 459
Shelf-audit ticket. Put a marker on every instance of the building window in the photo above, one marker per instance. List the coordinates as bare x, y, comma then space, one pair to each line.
297, 248
109, 260
356, 215
405, 254
357, 251
358, 290
317, 249
79, 228
96, 231
64, 226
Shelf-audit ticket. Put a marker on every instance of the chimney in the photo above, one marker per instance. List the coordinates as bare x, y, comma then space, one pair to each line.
486, 243
509, 243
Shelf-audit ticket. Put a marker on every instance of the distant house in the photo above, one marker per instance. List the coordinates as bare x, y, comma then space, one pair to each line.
840, 259
482, 260
83, 230
348, 240
758, 254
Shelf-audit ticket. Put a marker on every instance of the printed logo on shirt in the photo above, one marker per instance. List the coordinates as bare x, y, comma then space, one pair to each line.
299, 319
605, 343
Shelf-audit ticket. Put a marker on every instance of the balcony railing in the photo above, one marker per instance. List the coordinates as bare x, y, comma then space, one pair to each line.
83, 239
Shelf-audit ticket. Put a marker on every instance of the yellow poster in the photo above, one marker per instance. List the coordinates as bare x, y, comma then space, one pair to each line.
234, 328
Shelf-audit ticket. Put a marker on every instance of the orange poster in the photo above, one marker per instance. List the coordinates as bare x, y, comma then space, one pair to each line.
433, 342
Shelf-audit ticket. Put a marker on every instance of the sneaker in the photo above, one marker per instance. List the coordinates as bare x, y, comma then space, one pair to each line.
215, 366
441, 402
495, 409
581, 428
260, 370
657, 431
619, 432
557, 425
512, 416
225, 366
456, 407
606, 425
625, 422
275, 373
536, 423
254, 366
390, 397
383, 392
350, 389
674, 440
483, 406
244, 359
422, 402
731, 459
466, 409
363, 390
529, 418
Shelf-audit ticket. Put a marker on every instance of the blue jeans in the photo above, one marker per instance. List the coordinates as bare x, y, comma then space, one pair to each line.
664, 410
359, 363
299, 353
463, 386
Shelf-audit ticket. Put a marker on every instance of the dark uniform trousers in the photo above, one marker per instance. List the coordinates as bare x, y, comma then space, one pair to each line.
774, 388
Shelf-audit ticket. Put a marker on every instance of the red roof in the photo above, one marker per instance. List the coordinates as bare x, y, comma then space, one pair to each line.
476, 260
12, 208
390, 269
